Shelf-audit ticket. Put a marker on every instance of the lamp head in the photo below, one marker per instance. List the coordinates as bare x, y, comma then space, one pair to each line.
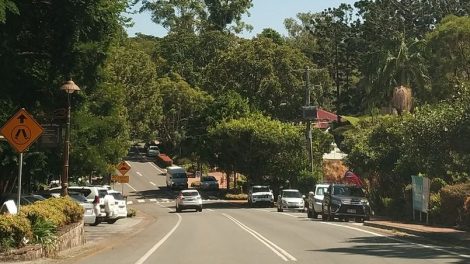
70, 87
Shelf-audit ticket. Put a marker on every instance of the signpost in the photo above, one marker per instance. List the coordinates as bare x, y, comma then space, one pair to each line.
21, 130
123, 167
421, 187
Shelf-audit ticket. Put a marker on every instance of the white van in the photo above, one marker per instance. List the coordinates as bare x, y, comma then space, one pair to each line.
176, 178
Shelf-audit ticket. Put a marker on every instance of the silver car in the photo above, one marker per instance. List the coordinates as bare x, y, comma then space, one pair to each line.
290, 199
189, 199
89, 216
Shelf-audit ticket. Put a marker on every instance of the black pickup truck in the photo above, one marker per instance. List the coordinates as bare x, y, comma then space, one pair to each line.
344, 201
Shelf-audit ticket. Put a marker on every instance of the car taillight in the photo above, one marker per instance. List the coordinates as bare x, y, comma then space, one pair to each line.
97, 200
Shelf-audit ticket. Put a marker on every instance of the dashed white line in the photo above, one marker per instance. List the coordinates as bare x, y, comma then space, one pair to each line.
156, 246
273, 247
153, 200
141, 201
138, 173
130, 202
153, 184
210, 210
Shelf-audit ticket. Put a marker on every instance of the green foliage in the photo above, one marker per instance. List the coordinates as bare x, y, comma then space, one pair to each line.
44, 233
58, 211
241, 196
9, 6
13, 230
453, 199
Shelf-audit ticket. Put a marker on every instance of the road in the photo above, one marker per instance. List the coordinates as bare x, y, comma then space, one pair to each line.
228, 233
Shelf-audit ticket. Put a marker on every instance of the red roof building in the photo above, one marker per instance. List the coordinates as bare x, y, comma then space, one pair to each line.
324, 118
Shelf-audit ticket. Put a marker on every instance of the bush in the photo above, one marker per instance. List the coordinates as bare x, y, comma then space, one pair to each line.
131, 212
196, 184
453, 199
437, 184
435, 205
241, 196
14, 229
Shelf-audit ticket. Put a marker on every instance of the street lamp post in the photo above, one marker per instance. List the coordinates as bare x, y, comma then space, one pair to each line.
69, 87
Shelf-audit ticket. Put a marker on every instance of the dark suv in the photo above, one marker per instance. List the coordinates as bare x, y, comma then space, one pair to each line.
344, 201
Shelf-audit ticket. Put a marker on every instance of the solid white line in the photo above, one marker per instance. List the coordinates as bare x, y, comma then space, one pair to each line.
274, 248
156, 246
157, 168
131, 187
138, 173
153, 184
263, 210
291, 215
401, 240
210, 210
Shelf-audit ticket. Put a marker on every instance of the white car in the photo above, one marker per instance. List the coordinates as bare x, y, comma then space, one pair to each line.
290, 199
120, 208
260, 195
315, 200
89, 215
189, 199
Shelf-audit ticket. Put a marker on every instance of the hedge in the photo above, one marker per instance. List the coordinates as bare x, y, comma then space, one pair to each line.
16, 230
453, 201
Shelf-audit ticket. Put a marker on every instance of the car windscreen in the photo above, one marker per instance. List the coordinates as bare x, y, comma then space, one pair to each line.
291, 194
321, 190
208, 178
190, 193
260, 189
102, 193
349, 191
180, 175
117, 196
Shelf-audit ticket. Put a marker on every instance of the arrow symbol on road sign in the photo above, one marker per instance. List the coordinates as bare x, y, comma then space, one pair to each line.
22, 132
22, 118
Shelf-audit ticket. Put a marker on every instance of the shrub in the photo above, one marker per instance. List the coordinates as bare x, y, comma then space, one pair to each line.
241, 196
59, 211
435, 208
44, 233
437, 184
453, 198
196, 184
466, 220
131, 212
14, 229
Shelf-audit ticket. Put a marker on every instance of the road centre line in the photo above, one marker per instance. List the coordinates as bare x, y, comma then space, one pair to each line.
138, 173
401, 240
159, 243
273, 247
153, 184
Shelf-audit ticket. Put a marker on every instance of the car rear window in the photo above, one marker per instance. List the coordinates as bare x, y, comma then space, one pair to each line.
83, 191
190, 193
117, 196
180, 175
208, 178
78, 197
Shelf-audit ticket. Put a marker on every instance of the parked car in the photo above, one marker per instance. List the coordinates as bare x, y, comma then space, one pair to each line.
98, 196
260, 195
153, 151
209, 183
120, 208
25, 199
290, 199
344, 201
189, 199
315, 200
176, 177
89, 215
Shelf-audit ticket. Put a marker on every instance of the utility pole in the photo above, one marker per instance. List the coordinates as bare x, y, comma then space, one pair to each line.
309, 123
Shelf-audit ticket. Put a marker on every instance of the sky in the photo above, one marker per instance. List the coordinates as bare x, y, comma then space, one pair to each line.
264, 14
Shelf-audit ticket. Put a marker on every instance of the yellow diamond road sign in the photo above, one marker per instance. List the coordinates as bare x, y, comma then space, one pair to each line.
123, 167
21, 130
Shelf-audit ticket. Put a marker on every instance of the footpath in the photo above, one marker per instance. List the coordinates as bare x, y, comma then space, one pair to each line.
450, 236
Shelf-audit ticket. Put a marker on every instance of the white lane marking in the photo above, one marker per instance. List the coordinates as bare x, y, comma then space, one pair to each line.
131, 187
140, 200
153, 184
291, 215
401, 240
130, 202
274, 248
153, 200
157, 168
263, 210
138, 173
156, 246
210, 210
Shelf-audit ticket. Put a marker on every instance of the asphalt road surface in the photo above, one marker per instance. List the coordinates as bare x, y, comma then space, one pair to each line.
227, 233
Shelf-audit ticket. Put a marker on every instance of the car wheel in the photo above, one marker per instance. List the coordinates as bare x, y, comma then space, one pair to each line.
309, 213
178, 209
111, 221
97, 222
346, 219
279, 209
359, 220
199, 209
314, 214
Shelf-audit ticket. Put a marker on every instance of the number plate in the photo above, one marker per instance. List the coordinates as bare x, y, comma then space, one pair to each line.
351, 211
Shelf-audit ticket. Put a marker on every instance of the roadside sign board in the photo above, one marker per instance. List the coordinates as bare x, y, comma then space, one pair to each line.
120, 178
421, 187
21, 130
123, 167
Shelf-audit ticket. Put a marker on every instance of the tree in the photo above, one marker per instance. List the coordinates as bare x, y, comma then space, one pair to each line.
267, 74
131, 69
190, 16
7, 5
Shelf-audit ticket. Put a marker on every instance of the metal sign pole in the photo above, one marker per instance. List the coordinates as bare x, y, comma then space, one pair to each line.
20, 172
